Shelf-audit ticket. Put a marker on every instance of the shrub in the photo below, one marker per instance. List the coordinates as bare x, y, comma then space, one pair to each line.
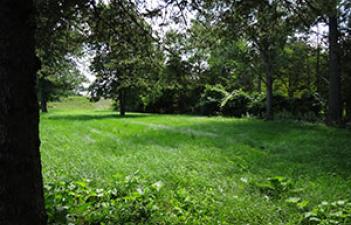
308, 107
257, 106
236, 104
281, 103
211, 100
173, 100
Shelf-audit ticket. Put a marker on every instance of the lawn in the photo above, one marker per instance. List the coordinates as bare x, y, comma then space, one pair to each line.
209, 170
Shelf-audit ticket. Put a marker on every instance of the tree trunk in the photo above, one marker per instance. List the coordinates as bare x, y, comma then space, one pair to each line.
43, 94
259, 84
348, 112
290, 87
43, 101
318, 70
269, 92
309, 77
334, 109
21, 189
122, 103
269, 84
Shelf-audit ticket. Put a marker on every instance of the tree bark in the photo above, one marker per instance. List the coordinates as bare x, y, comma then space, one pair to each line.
259, 84
269, 92
290, 87
43, 103
348, 112
269, 83
21, 189
43, 94
318, 70
335, 108
43, 98
122, 103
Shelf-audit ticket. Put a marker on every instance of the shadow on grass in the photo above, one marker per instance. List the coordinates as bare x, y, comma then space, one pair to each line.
273, 147
289, 148
87, 117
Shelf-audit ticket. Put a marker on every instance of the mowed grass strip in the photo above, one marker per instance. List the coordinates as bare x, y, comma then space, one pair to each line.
226, 155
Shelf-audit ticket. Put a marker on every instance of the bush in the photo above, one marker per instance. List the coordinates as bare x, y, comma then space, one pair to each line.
257, 106
165, 102
211, 100
308, 107
281, 103
236, 104
173, 100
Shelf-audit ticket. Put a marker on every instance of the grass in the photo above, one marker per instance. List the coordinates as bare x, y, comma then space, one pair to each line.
230, 157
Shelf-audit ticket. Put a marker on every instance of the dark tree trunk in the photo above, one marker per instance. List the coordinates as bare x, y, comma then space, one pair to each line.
259, 84
309, 78
21, 189
43, 102
348, 112
43, 94
269, 93
122, 103
334, 109
290, 87
318, 70
269, 84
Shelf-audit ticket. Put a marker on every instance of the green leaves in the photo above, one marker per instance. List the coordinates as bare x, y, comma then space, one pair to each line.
298, 202
275, 187
80, 203
338, 212
132, 200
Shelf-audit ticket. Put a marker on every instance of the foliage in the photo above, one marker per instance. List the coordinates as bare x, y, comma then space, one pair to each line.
64, 80
216, 100
211, 99
274, 187
338, 212
236, 104
129, 201
124, 53
58, 43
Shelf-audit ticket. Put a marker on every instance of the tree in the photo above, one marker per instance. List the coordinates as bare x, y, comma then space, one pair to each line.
264, 24
21, 189
59, 38
335, 14
123, 51
59, 79
346, 72
334, 103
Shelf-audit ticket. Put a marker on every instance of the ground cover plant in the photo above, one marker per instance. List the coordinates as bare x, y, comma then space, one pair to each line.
174, 169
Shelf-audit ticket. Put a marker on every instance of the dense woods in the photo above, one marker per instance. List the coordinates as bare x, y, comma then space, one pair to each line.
270, 59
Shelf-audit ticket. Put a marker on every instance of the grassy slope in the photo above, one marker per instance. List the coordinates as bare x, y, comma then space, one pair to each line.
84, 140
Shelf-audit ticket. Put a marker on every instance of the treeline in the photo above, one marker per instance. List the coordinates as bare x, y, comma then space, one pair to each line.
268, 59
288, 72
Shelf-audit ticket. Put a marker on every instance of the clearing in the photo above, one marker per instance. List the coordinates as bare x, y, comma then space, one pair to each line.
224, 162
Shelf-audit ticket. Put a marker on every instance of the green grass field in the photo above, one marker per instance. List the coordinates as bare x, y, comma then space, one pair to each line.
224, 163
